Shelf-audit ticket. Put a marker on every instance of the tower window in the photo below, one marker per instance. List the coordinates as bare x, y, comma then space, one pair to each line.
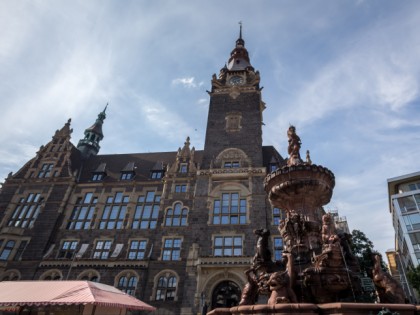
45, 170
26, 211
147, 211
231, 164
230, 209
181, 188
227, 246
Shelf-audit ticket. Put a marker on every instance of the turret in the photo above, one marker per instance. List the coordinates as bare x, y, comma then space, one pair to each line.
89, 145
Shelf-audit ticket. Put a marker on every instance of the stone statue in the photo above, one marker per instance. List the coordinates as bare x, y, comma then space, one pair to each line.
263, 254
281, 283
329, 234
388, 289
293, 229
250, 291
294, 147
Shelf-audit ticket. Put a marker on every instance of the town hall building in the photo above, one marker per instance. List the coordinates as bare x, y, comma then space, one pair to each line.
175, 229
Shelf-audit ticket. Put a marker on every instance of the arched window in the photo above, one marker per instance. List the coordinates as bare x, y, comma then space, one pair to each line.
11, 275
127, 281
89, 275
176, 216
52, 275
166, 288
226, 294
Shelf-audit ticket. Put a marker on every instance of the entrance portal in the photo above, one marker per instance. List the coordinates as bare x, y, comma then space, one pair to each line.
226, 294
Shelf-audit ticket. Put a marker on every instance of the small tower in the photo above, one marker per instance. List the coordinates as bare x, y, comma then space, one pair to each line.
89, 145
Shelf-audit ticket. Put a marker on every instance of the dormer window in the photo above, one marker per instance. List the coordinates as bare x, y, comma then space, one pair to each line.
156, 174
183, 168
45, 170
98, 177
127, 175
272, 167
231, 164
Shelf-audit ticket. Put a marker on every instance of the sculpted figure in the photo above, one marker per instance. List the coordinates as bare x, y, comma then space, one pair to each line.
294, 147
281, 282
263, 254
328, 232
293, 229
389, 290
250, 291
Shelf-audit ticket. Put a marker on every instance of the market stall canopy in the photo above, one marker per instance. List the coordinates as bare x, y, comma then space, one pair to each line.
19, 293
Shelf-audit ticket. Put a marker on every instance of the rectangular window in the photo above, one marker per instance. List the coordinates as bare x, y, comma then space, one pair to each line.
97, 176
181, 188
278, 215
227, 246
82, 214
156, 174
26, 211
171, 249
412, 221
231, 164
127, 175
278, 248
230, 209
137, 250
102, 250
147, 211
7, 250
273, 167
407, 204
183, 168
68, 249
114, 212
45, 170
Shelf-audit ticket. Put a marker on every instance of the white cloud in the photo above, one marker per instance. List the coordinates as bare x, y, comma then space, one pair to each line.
188, 82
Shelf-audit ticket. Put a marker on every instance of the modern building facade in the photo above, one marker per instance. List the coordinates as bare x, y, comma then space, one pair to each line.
404, 205
175, 229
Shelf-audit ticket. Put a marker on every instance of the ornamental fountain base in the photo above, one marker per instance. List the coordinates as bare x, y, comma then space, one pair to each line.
318, 273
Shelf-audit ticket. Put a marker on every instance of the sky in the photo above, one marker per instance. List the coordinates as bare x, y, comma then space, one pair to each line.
345, 73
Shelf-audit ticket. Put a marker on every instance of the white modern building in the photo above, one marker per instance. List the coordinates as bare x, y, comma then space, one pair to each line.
404, 205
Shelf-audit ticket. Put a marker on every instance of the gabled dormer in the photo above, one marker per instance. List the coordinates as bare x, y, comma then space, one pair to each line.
184, 163
99, 173
158, 170
128, 172
58, 158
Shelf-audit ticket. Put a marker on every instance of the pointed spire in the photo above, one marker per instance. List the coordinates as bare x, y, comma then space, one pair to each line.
239, 58
93, 135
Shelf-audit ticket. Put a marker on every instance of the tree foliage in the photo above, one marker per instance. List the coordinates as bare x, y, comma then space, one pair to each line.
413, 276
362, 248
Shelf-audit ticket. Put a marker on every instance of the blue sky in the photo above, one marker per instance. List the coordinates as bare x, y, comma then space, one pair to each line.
345, 73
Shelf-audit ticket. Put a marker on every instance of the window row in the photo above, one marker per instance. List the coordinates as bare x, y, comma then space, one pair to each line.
223, 246
229, 209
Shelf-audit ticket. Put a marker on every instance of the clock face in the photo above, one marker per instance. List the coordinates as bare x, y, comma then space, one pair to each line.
236, 80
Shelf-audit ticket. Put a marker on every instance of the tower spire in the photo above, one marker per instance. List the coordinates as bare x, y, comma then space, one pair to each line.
89, 145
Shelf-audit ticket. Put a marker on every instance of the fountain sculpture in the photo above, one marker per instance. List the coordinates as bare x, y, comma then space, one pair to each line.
318, 272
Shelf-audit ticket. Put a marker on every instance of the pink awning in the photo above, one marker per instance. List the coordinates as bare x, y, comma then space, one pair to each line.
14, 293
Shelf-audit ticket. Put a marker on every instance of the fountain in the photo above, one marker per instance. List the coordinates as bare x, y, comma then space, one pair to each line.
318, 273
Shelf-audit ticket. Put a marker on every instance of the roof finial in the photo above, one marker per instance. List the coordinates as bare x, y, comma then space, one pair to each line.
240, 29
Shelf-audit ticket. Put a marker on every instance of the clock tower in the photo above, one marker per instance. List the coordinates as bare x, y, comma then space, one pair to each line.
235, 114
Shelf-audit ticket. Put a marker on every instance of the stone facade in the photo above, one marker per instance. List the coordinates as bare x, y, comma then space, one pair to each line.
175, 229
